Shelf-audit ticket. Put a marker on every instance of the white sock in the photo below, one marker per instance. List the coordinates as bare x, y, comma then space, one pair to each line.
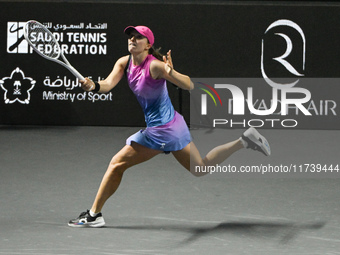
245, 144
93, 214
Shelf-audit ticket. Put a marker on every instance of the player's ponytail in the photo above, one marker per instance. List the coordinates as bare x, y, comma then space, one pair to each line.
156, 53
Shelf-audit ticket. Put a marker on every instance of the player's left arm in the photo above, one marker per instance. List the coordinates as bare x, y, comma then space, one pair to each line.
165, 70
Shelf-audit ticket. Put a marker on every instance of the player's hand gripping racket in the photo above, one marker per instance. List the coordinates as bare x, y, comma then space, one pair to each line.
45, 44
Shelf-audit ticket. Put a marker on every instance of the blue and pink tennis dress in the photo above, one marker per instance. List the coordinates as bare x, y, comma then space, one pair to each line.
166, 129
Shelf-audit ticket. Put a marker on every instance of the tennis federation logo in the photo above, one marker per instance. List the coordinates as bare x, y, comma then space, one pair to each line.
17, 87
16, 42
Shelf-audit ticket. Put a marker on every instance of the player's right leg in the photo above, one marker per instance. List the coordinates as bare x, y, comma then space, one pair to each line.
129, 156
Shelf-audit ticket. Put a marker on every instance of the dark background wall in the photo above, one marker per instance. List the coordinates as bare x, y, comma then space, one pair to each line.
207, 39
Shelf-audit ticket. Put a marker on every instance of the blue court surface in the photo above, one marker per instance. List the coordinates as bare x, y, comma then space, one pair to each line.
49, 175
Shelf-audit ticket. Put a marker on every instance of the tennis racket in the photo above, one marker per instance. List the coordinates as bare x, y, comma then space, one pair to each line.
44, 43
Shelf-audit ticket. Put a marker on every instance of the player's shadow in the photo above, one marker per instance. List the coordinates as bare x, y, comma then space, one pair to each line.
285, 232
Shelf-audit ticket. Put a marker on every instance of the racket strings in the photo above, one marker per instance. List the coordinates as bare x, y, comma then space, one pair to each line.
43, 40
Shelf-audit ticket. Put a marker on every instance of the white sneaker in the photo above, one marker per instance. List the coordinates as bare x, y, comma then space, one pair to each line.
254, 140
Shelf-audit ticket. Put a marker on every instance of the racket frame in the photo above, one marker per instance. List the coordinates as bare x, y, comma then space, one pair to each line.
65, 64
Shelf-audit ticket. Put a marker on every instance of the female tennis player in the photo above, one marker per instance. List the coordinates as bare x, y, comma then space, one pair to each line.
166, 131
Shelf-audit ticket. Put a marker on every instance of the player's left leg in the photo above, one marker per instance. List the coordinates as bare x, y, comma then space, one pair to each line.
190, 158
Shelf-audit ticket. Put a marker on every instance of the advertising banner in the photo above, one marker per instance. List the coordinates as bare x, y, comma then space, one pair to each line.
260, 42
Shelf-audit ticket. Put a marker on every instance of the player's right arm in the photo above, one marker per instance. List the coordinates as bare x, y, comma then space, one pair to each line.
111, 81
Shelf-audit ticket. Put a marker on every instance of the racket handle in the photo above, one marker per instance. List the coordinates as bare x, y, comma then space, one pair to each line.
75, 73
78, 75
